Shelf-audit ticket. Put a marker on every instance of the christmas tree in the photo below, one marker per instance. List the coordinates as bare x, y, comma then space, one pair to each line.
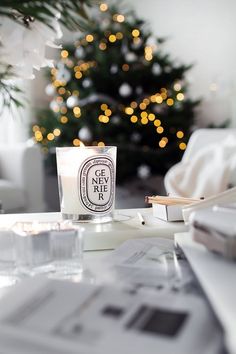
115, 86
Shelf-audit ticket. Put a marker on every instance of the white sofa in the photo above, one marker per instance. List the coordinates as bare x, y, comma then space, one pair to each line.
21, 178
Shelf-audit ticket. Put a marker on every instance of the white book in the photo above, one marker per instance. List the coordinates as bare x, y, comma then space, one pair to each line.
216, 276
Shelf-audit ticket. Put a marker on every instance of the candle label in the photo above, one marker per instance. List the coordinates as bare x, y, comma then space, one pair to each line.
96, 184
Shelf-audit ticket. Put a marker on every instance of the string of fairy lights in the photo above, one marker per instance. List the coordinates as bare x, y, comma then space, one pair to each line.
136, 112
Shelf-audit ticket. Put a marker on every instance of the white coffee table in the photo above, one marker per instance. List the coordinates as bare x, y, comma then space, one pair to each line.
109, 235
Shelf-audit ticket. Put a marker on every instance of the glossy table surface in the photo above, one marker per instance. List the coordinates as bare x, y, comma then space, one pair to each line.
126, 225
100, 239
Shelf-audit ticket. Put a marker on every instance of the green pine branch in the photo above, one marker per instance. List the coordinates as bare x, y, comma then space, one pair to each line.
73, 12
10, 92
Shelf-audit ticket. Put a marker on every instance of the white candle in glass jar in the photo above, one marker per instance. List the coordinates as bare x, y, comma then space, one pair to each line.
86, 179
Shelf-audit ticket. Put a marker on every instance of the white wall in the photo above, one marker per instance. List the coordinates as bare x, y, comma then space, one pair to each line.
200, 32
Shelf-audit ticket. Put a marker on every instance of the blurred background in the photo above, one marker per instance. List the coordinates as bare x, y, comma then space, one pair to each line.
143, 76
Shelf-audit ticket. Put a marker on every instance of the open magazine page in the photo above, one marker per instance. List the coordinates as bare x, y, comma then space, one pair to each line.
64, 317
149, 264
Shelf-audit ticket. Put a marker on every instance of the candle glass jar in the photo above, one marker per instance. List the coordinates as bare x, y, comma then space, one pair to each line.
86, 179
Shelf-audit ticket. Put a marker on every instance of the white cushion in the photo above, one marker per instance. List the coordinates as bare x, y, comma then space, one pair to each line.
11, 196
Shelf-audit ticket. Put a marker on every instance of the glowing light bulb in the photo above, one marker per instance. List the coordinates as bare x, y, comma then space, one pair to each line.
170, 102
144, 121
142, 106
148, 57
157, 122
89, 38
56, 83
133, 104
162, 143
180, 97
177, 86
102, 46
135, 33
105, 119
50, 136
160, 130
120, 18
108, 112
164, 95
125, 67
180, 134
53, 71
38, 136
151, 116
64, 119
77, 111
182, 146
103, 7
153, 98
64, 54
76, 142
78, 75
61, 91
159, 99
104, 106
119, 35
56, 132
112, 38
101, 143
148, 53
146, 101
35, 128
129, 110
144, 114
134, 119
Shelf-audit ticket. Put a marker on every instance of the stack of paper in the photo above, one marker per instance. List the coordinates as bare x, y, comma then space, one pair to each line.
63, 317
144, 298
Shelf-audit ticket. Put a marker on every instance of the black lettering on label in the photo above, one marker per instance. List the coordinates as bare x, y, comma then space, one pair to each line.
100, 197
96, 181
95, 188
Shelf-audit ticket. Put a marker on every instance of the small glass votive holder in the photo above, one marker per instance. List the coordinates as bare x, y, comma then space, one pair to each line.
53, 248
86, 179
7, 258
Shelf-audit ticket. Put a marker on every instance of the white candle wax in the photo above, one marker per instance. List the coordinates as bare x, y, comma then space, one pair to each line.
68, 172
70, 203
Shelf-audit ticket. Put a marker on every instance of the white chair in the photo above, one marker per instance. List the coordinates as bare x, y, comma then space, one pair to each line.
21, 178
201, 138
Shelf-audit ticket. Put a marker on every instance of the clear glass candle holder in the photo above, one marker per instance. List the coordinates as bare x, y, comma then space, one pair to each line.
42, 247
86, 178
